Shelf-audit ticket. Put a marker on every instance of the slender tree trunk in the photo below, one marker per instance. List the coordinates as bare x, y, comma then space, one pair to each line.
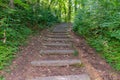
60, 12
69, 10
5, 38
65, 13
75, 6
50, 3
11, 3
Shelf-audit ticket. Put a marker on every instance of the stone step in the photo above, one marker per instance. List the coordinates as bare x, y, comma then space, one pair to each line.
57, 39
57, 44
57, 63
57, 52
63, 42
69, 77
60, 29
58, 33
58, 36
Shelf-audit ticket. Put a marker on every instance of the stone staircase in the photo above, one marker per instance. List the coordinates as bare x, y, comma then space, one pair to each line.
58, 38
70, 77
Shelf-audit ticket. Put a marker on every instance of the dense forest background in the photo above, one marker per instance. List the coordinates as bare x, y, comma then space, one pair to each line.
20, 18
98, 21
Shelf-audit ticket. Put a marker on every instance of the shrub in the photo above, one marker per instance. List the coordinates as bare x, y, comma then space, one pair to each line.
17, 24
100, 26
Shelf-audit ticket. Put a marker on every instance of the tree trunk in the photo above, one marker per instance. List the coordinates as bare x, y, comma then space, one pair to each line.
50, 3
75, 6
11, 3
4, 40
60, 12
69, 10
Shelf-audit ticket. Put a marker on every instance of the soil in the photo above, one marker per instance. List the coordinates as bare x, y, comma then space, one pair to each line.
92, 63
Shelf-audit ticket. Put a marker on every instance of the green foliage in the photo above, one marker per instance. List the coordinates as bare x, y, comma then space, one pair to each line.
99, 23
1, 78
17, 23
6, 54
75, 53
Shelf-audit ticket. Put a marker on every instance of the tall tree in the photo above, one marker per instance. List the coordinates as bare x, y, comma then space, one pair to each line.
69, 10
75, 6
11, 3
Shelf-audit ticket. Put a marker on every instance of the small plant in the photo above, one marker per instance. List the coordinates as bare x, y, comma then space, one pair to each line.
78, 65
75, 53
2, 78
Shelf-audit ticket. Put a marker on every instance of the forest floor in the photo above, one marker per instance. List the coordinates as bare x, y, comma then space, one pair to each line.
92, 63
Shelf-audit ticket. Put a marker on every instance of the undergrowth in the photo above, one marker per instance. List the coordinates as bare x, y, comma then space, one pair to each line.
75, 53
2, 78
17, 23
100, 25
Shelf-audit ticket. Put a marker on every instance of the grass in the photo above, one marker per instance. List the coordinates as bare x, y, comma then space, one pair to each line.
78, 65
6, 55
2, 78
76, 53
110, 51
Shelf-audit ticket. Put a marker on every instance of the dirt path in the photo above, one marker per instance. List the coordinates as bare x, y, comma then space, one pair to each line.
92, 64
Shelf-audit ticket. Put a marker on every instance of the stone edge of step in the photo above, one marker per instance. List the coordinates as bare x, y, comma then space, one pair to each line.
57, 51
68, 77
55, 62
56, 44
59, 37
64, 39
